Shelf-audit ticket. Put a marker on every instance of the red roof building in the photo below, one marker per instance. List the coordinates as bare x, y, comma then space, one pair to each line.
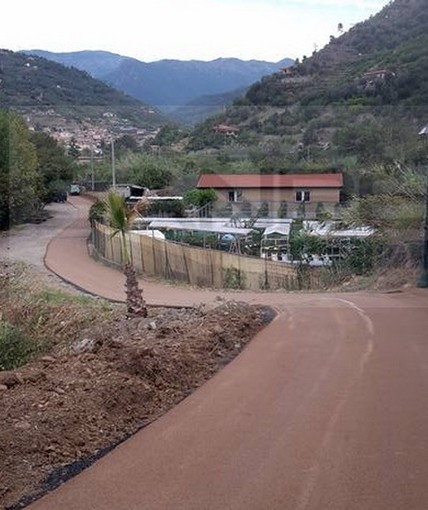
256, 181
295, 189
224, 129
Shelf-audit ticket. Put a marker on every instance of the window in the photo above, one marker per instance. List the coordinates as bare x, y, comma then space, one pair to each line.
235, 196
303, 196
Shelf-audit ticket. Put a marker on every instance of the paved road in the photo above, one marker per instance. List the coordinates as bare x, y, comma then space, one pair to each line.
324, 410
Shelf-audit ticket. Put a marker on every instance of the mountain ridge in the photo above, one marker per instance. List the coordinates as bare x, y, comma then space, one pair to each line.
168, 83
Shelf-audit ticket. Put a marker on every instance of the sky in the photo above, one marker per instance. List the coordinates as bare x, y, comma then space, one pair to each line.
181, 29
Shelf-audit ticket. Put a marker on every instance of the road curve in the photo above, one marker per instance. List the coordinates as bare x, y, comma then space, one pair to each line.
67, 256
324, 410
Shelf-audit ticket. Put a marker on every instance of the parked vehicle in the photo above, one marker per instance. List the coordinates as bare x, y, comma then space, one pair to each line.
74, 189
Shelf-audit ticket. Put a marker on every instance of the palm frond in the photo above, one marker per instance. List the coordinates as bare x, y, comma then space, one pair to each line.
142, 206
138, 211
133, 214
116, 212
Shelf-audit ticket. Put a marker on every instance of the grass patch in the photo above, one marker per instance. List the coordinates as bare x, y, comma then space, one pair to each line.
16, 349
38, 319
55, 297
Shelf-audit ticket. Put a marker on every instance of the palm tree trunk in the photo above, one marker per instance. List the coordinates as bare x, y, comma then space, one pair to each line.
126, 259
134, 295
120, 220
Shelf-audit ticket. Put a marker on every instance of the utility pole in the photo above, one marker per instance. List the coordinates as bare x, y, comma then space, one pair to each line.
423, 280
92, 170
113, 165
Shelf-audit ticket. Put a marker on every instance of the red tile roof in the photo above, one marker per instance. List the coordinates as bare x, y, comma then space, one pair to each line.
271, 181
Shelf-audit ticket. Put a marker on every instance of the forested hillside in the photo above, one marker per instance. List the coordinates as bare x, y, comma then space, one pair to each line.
364, 95
29, 83
199, 109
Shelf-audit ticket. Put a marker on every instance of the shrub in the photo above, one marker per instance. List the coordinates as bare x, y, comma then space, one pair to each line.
56, 191
233, 278
263, 211
166, 208
320, 210
246, 208
283, 210
15, 348
301, 210
362, 257
200, 197
96, 212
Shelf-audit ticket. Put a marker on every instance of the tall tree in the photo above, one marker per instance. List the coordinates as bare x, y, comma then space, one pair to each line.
54, 166
145, 170
20, 185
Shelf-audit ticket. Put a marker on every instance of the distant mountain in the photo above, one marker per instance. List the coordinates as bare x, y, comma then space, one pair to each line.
33, 84
168, 84
364, 95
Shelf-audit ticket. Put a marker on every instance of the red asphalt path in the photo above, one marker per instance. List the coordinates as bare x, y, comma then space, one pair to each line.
324, 410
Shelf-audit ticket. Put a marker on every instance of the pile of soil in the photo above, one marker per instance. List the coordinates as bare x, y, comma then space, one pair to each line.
65, 409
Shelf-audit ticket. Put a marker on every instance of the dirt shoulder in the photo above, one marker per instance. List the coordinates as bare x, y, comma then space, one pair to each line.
27, 243
95, 378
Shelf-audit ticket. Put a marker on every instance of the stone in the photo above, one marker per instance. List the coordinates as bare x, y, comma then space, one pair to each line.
48, 359
22, 425
83, 346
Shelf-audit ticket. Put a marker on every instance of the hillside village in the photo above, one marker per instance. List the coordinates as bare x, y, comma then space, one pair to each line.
86, 134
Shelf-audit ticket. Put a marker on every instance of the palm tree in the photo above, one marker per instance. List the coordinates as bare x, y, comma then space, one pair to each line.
120, 219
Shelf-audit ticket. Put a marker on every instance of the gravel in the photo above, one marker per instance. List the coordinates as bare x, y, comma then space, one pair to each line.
28, 243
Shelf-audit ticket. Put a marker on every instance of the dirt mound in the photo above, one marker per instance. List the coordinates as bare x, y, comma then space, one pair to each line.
62, 410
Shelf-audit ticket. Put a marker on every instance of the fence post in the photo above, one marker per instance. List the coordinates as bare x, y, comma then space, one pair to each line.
239, 269
154, 257
183, 249
212, 268
112, 248
141, 253
168, 272
104, 244
266, 274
